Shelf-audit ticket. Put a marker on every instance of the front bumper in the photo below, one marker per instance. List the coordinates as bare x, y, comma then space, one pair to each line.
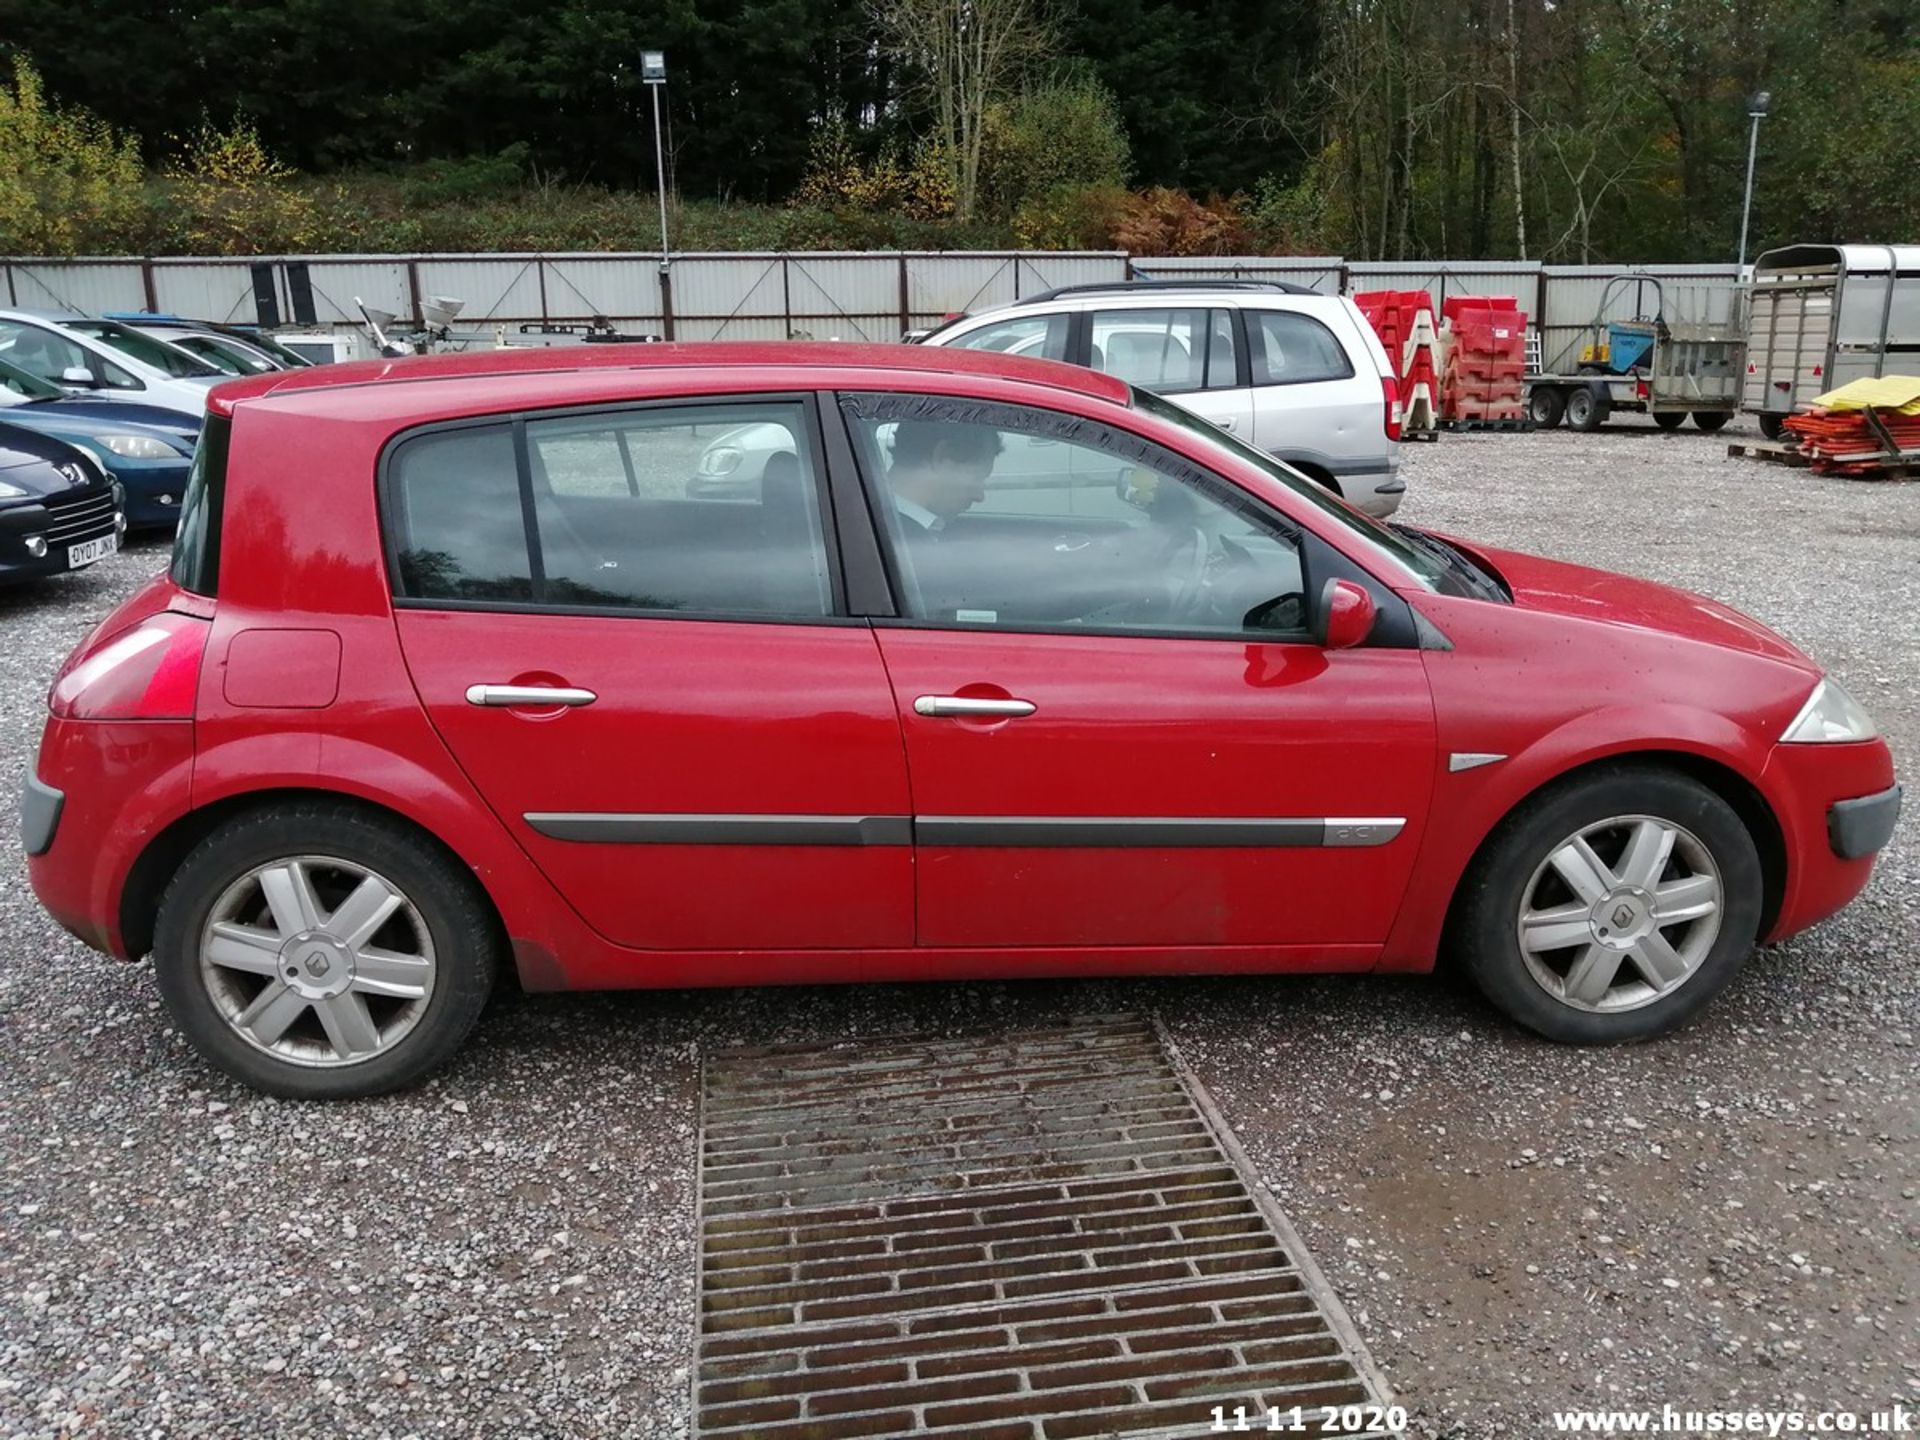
1856, 828
1828, 862
51, 524
40, 806
154, 490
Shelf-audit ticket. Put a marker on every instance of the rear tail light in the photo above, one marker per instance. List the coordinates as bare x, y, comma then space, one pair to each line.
149, 671
1390, 395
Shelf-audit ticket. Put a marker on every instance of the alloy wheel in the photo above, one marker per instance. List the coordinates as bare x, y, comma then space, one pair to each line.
317, 960
1620, 914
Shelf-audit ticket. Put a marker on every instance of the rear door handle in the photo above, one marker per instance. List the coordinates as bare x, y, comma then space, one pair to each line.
528, 695
962, 706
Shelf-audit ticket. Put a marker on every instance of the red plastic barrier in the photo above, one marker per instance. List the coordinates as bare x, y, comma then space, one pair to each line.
1459, 305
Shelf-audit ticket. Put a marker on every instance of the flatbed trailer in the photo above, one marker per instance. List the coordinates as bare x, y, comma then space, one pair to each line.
1667, 370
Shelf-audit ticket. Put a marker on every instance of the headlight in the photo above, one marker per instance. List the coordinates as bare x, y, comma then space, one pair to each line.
721, 460
10, 492
138, 447
1830, 714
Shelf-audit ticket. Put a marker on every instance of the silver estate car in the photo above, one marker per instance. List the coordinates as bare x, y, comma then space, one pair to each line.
1299, 374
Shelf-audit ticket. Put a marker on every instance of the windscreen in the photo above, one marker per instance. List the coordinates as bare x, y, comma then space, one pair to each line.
1364, 529
167, 359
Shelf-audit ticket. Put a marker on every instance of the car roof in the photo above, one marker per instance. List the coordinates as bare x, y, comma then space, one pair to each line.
741, 354
1185, 297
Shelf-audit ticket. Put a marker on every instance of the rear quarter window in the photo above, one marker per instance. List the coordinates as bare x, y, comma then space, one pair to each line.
456, 523
196, 545
1293, 349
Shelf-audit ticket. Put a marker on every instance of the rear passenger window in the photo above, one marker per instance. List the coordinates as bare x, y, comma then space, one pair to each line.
1165, 351
699, 509
1290, 349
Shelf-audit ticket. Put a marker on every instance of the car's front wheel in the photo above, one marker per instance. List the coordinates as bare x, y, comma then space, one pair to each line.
322, 952
1612, 907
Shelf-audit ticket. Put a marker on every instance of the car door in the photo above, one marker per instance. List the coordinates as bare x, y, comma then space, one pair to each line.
1308, 400
661, 697
61, 360
1193, 356
1118, 732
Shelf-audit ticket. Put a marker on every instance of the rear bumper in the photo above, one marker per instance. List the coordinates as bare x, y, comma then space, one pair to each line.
1377, 492
119, 783
1836, 805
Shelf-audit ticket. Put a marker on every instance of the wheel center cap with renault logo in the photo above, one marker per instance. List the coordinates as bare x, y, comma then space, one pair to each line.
317, 966
1620, 920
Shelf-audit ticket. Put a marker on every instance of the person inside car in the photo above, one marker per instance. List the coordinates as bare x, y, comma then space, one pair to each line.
939, 471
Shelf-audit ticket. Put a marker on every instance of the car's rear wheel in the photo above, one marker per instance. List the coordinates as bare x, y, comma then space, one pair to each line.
1669, 419
320, 952
1611, 908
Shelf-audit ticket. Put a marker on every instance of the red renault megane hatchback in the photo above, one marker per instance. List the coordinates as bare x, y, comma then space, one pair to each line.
464, 665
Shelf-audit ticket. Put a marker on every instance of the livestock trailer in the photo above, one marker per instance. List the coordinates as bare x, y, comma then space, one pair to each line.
1821, 315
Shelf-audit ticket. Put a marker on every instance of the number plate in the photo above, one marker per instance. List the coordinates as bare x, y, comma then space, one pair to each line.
91, 550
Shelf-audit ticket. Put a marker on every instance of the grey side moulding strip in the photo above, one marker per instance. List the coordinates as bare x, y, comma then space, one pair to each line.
976, 831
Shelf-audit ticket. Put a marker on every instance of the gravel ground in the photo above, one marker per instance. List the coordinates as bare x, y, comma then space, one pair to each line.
1722, 1219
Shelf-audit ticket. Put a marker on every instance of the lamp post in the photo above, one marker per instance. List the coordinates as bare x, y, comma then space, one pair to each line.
653, 72
1757, 107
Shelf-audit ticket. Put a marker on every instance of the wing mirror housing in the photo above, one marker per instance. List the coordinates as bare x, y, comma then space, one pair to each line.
1344, 617
79, 375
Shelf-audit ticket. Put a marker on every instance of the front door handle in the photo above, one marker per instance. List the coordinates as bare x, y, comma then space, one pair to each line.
966, 706
528, 695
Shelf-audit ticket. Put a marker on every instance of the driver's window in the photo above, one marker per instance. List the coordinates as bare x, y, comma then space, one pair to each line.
50, 356
1011, 518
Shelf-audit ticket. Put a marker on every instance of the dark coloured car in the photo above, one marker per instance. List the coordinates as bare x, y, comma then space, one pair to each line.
59, 510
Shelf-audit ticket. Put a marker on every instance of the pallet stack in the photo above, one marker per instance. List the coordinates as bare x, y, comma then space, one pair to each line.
1867, 444
1403, 319
1868, 429
1484, 362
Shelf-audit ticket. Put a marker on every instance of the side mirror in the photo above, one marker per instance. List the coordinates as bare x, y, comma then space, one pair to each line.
1344, 617
79, 375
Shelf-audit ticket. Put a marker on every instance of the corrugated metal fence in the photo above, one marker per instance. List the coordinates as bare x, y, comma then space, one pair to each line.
847, 295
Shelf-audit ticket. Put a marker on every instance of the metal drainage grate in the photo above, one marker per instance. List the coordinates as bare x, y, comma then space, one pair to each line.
1033, 1236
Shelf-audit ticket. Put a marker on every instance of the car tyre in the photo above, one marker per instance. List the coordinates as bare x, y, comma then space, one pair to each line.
1546, 406
320, 952
1669, 419
1710, 421
1647, 978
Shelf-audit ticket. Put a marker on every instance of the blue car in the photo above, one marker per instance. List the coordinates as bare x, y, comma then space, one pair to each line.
147, 449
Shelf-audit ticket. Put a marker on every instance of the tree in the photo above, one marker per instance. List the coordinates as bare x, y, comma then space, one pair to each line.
968, 55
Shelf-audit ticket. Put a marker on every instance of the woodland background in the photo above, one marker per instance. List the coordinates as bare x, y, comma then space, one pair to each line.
1562, 130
